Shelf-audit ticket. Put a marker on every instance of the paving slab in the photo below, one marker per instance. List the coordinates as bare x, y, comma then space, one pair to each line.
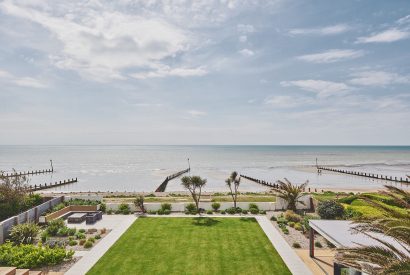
289, 256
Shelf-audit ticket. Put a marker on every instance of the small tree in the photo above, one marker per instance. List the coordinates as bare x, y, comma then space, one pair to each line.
194, 185
233, 183
139, 202
290, 193
330, 210
13, 192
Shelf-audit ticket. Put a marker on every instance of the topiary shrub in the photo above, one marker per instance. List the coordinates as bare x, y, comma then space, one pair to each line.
166, 206
88, 244
209, 212
292, 216
253, 205
191, 208
216, 206
231, 211
296, 245
24, 233
330, 210
124, 209
253, 211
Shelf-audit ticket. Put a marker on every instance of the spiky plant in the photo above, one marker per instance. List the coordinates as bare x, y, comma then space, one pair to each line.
291, 193
139, 202
383, 258
233, 183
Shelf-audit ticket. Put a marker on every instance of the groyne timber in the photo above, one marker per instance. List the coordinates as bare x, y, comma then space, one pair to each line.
28, 173
262, 182
33, 188
163, 185
367, 175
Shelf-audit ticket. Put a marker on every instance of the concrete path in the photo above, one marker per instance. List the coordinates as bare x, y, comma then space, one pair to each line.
89, 258
289, 256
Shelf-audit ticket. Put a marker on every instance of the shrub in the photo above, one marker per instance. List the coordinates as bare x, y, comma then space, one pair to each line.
244, 211
292, 216
160, 212
152, 212
216, 206
231, 210
273, 218
81, 230
254, 206
209, 212
254, 211
306, 219
82, 242
71, 231
349, 199
97, 237
285, 231
223, 212
44, 236
91, 239
191, 208
187, 213
282, 220
72, 243
103, 231
318, 244
103, 207
351, 213
291, 224
24, 233
296, 245
298, 226
63, 232
32, 256
166, 206
262, 212
238, 210
54, 226
109, 212
88, 244
124, 209
80, 236
330, 210
167, 211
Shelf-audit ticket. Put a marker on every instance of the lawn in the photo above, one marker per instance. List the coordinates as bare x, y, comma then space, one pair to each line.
192, 246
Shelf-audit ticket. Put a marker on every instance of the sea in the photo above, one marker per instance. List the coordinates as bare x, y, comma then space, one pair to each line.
144, 168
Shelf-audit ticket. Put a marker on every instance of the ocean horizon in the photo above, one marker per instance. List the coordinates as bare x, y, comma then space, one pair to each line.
119, 168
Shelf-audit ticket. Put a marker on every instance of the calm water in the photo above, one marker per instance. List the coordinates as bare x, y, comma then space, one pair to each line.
143, 168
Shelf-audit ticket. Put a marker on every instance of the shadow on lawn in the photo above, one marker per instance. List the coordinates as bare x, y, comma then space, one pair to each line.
250, 220
205, 221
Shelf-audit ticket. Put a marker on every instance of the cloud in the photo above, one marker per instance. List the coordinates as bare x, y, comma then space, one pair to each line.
243, 28
378, 78
331, 56
386, 36
21, 81
246, 52
404, 20
328, 30
166, 71
196, 113
285, 102
100, 42
243, 38
320, 87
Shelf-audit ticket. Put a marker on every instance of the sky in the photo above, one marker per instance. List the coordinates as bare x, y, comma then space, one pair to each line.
205, 72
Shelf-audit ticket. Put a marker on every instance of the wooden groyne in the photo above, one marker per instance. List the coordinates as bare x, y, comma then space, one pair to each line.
262, 182
51, 185
164, 184
367, 175
28, 173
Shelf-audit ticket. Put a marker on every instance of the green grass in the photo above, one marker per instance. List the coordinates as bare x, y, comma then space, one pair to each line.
192, 246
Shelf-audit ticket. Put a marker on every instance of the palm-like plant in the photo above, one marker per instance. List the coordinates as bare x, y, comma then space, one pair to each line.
233, 183
384, 258
139, 202
194, 185
291, 193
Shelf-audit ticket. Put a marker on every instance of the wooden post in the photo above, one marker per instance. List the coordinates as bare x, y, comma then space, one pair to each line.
311, 242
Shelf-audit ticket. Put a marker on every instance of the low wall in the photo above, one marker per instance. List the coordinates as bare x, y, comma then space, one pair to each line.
30, 215
281, 204
70, 208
